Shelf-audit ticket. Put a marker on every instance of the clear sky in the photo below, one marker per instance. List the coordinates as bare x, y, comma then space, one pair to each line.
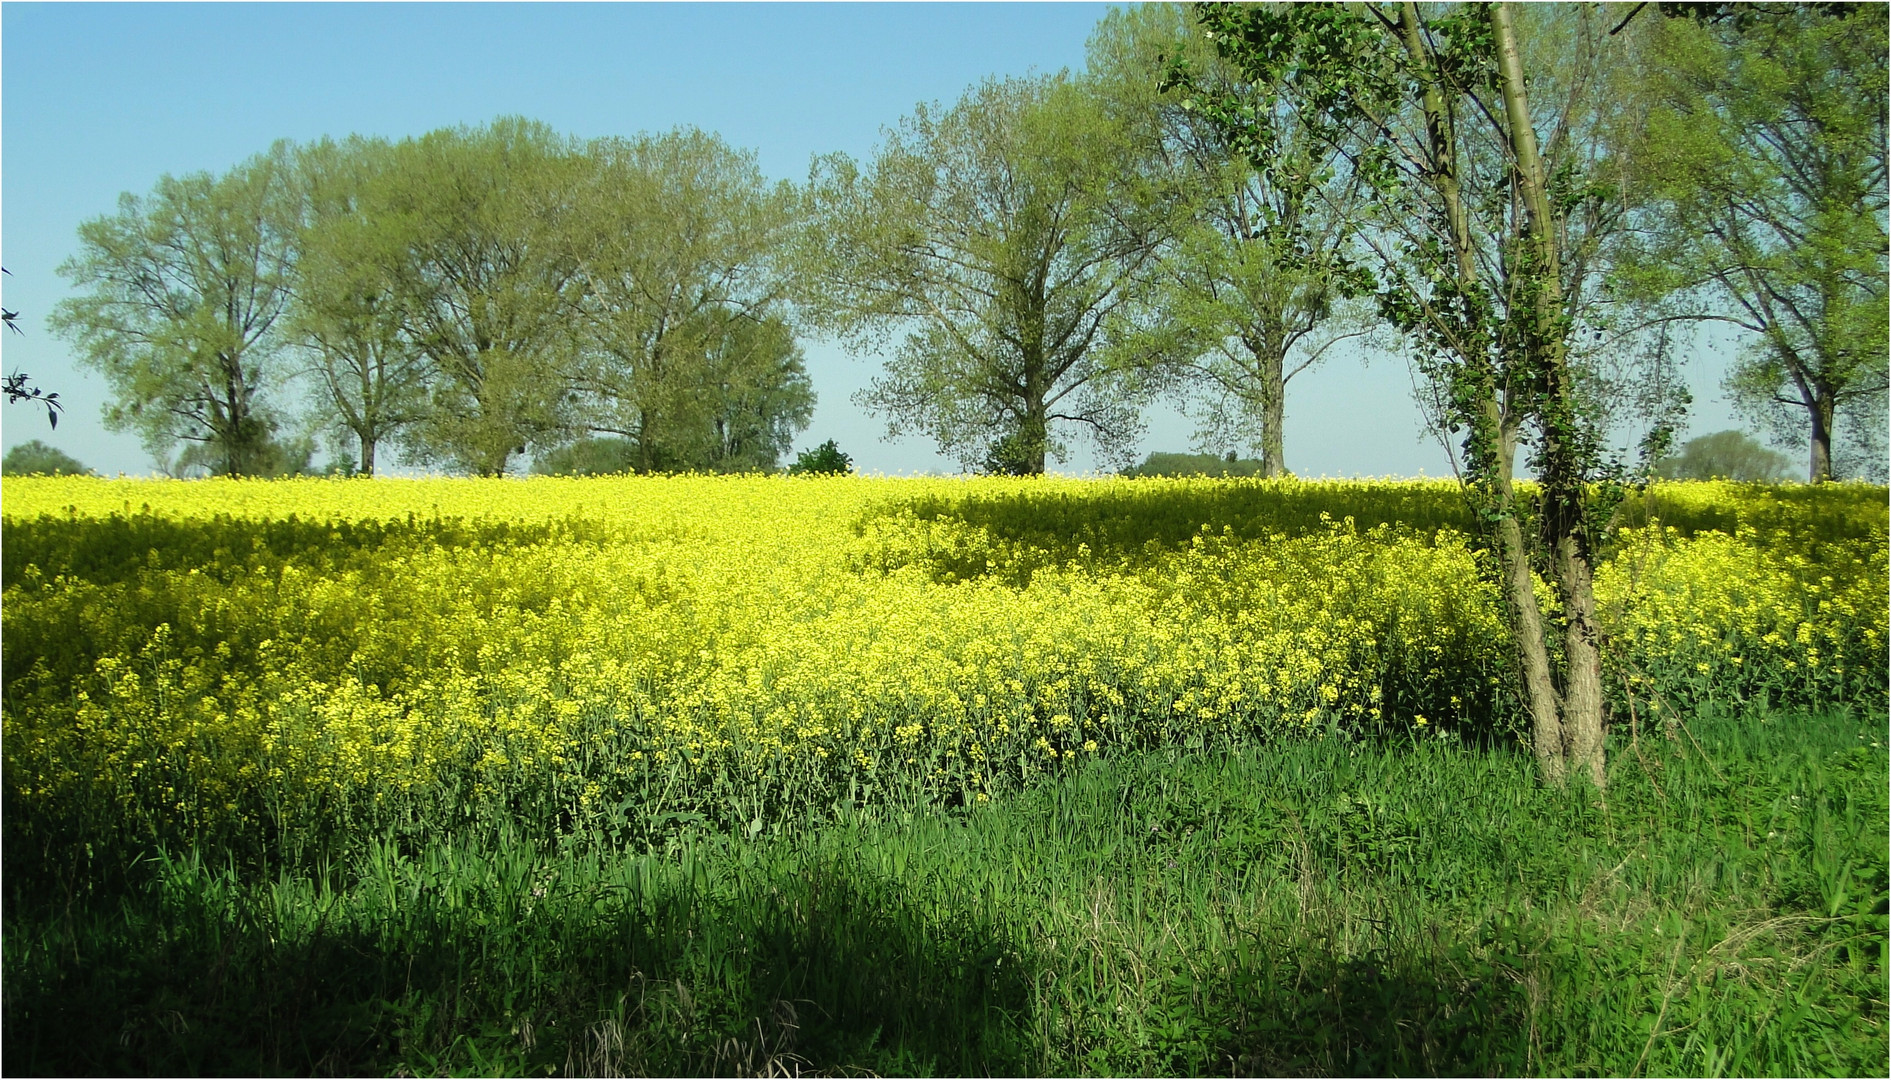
98, 99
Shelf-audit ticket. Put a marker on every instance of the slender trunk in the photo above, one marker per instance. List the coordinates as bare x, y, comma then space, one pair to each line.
235, 461
1526, 618
1564, 495
1034, 428
1822, 413
1494, 439
367, 455
1584, 749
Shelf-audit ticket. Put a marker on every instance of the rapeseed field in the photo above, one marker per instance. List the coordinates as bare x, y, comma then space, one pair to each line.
280, 668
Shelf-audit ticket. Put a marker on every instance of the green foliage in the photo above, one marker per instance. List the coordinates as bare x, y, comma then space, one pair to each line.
371, 376
186, 289
35, 458
824, 460
1318, 908
479, 293
1002, 242
1257, 272
1723, 455
1764, 157
589, 457
275, 458
686, 351
486, 286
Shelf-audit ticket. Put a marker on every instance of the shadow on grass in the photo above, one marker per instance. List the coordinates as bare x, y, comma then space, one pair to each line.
1304, 1012
802, 968
809, 970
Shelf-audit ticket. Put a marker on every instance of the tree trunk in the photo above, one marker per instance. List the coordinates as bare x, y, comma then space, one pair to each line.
1494, 443
1822, 415
1581, 746
1547, 735
1584, 749
1273, 408
645, 461
367, 456
1034, 436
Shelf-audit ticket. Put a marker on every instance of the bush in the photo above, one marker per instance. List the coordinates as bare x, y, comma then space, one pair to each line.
36, 458
1195, 465
1724, 455
824, 460
589, 457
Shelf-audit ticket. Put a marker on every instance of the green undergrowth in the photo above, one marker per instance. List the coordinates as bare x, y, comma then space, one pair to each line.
1324, 907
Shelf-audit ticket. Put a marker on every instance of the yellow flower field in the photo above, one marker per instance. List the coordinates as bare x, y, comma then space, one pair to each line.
275, 660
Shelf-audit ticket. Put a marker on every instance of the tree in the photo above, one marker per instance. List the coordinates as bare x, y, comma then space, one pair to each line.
756, 386
1724, 455
485, 284
1002, 240
187, 287
1256, 269
824, 460
35, 458
281, 456
1489, 243
685, 354
1765, 155
370, 375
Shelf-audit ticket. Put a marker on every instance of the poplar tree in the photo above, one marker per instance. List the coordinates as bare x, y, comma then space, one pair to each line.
1490, 159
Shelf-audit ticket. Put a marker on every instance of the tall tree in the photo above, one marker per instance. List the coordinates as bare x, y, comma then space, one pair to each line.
1002, 242
1489, 239
1765, 154
369, 375
486, 286
1256, 270
186, 288
682, 287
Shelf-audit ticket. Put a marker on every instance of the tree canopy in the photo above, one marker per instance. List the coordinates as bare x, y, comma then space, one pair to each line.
1255, 270
186, 290
1003, 244
35, 458
1724, 455
1765, 156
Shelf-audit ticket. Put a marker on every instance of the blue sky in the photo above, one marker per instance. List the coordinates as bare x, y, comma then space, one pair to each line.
98, 99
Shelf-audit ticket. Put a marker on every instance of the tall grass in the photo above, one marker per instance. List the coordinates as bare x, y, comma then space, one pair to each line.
1319, 906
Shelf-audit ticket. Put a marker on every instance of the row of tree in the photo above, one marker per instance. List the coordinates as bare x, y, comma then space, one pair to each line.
1204, 212
468, 296
1208, 209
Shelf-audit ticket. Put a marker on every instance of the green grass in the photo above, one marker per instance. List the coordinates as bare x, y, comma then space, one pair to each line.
1324, 907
